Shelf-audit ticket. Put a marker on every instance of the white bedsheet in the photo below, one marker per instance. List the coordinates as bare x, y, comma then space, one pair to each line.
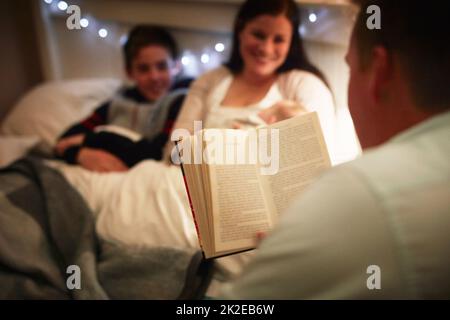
145, 206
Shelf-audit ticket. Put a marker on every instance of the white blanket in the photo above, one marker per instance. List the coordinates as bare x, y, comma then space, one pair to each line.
145, 206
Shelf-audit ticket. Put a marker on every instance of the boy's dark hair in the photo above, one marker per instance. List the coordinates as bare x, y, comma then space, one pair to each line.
417, 33
296, 58
145, 35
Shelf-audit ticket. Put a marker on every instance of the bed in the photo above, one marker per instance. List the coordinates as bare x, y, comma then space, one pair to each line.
139, 219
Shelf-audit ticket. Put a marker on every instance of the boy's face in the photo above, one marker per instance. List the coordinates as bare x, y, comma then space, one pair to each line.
153, 70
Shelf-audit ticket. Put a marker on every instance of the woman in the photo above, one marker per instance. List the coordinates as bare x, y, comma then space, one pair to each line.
268, 74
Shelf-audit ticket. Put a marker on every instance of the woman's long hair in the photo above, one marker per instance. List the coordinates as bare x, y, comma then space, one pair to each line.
296, 57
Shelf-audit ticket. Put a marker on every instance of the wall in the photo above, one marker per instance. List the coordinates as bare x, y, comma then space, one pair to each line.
197, 26
19, 58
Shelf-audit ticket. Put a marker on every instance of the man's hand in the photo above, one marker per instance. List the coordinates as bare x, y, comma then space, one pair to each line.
65, 143
100, 161
282, 110
260, 236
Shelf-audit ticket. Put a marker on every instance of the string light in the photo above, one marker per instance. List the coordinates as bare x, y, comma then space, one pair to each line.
219, 47
185, 61
302, 30
204, 58
84, 22
62, 5
313, 17
189, 60
123, 39
103, 33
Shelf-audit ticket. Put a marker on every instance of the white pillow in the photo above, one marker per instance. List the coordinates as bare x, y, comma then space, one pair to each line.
14, 148
50, 108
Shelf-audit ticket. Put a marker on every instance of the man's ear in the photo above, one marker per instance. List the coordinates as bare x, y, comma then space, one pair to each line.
381, 74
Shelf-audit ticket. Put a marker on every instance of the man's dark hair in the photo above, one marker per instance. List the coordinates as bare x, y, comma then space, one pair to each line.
417, 33
296, 58
145, 35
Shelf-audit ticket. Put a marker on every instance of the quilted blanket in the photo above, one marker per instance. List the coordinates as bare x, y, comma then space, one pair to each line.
49, 248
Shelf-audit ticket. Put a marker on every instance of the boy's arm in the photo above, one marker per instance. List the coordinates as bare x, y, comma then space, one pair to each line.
97, 118
124, 149
70, 141
100, 161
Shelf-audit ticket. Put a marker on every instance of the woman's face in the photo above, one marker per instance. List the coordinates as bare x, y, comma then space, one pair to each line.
264, 44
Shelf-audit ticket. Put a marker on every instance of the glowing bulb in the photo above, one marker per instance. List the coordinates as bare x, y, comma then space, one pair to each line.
103, 32
302, 30
48, 1
62, 5
185, 61
219, 47
123, 39
313, 17
204, 58
84, 22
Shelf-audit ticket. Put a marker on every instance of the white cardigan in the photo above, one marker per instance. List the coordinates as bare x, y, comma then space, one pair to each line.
296, 85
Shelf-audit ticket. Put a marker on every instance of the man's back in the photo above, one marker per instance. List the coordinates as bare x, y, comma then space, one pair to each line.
389, 209
410, 177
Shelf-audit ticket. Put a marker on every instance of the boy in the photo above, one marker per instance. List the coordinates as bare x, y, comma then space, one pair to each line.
149, 108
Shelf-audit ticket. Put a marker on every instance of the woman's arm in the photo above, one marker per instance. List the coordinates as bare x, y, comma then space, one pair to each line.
195, 106
306, 92
281, 110
310, 92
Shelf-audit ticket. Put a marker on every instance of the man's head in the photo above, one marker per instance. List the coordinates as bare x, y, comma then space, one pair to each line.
150, 59
399, 75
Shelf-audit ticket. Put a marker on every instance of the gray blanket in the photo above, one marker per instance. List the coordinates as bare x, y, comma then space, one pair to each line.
49, 249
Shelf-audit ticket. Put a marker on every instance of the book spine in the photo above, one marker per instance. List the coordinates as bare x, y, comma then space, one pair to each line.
189, 197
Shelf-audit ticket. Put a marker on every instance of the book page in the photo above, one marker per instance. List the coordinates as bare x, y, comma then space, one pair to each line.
240, 209
195, 185
302, 156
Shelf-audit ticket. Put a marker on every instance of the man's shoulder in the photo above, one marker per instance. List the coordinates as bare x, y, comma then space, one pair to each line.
399, 167
411, 170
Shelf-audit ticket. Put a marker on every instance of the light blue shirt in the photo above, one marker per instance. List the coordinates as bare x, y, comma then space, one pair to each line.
389, 209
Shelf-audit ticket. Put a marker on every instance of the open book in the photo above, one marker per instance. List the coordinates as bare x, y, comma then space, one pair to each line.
239, 181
